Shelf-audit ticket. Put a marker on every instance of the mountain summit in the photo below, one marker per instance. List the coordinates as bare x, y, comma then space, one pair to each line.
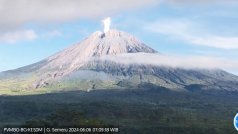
74, 69
98, 44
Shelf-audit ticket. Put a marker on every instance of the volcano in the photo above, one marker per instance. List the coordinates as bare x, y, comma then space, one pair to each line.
74, 68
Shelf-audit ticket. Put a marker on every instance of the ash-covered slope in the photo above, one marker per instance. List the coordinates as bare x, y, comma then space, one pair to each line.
78, 55
98, 44
75, 63
170, 77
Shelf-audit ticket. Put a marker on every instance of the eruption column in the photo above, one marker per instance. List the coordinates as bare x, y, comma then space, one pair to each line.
106, 24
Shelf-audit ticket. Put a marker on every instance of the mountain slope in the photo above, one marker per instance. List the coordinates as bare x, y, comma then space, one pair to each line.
73, 68
98, 44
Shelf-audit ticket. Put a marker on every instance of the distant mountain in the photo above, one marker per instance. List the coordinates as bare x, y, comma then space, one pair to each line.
74, 69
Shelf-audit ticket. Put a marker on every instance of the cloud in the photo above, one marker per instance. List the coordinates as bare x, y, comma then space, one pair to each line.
15, 13
23, 35
52, 34
216, 41
26, 35
198, 1
192, 33
187, 62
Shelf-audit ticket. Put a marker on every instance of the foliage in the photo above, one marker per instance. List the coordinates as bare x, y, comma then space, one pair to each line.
64, 118
152, 110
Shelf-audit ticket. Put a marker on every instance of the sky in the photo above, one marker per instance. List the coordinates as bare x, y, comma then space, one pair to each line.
205, 31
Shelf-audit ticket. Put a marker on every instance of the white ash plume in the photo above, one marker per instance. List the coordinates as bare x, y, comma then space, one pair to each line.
106, 24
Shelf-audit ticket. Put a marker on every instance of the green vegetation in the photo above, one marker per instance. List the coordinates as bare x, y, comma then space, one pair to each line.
16, 84
152, 110
21, 86
64, 118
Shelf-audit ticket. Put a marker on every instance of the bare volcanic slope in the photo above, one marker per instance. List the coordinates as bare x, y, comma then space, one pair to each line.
71, 59
98, 44
74, 69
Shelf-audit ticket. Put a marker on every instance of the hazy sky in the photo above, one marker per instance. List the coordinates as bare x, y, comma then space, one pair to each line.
33, 30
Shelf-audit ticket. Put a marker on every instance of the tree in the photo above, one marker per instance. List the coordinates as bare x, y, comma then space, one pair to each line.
65, 119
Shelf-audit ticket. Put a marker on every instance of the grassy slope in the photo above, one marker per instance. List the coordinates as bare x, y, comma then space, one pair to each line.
19, 86
14, 85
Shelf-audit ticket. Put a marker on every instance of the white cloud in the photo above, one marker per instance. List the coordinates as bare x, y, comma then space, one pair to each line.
52, 34
181, 61
191, 32
199, 1
26, 35
15, 13
16, 36
216, 41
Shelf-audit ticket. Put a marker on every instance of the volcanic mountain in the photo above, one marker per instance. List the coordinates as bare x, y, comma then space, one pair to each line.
78, 67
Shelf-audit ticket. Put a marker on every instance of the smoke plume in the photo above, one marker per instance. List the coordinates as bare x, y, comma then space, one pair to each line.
106, 24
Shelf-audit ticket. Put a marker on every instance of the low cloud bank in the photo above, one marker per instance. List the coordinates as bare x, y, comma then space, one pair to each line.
187, 62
